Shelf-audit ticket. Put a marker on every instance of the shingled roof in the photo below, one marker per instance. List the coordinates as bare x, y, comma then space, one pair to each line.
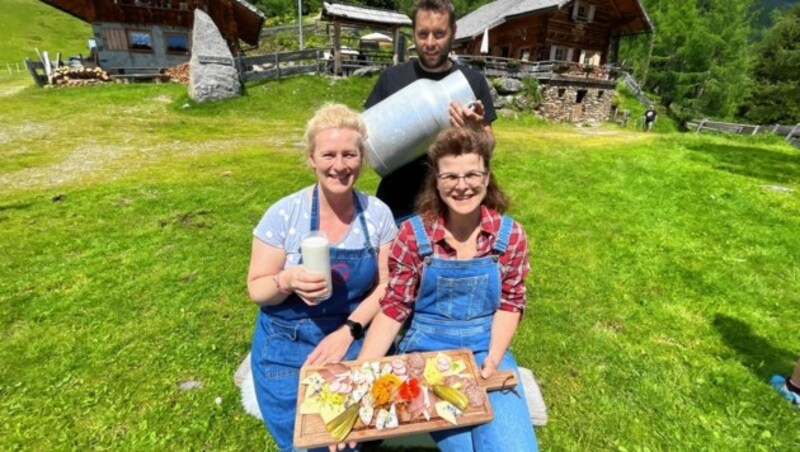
362, 14
493, 14
236, 19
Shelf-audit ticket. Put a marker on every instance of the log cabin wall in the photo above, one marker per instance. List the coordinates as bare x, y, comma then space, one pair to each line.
234, 20
518, 38
591, 33
158, 46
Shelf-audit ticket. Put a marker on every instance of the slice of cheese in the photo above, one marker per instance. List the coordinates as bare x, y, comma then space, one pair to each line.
380, 420
329, 411
391, 421
447, 411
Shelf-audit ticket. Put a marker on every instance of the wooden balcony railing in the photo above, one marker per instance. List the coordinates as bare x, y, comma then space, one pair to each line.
498, 66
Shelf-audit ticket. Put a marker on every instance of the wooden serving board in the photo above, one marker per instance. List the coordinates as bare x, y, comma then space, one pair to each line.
309, 429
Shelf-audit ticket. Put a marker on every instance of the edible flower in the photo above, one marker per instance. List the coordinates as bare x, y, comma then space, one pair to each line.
383, 388
409, 389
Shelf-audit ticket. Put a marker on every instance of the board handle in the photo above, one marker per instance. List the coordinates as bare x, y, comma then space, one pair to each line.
501, 379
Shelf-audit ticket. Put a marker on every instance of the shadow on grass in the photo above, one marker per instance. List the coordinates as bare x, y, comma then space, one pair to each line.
754, 352
752, 161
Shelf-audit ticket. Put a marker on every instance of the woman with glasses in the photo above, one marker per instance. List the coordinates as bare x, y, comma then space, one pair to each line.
459, 267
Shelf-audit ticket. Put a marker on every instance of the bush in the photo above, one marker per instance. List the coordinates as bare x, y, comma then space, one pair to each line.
531, 93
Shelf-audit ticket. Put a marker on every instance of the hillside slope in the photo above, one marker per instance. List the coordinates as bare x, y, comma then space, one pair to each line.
30, 24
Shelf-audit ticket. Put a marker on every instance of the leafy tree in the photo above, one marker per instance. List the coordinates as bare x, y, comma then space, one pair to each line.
699, 63
776, 91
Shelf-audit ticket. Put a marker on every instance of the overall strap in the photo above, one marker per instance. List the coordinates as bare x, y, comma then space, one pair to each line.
359, 214
423, 242
503, 235
315, 209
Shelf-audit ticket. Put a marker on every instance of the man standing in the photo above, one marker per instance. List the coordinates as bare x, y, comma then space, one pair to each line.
434, 24
649, 119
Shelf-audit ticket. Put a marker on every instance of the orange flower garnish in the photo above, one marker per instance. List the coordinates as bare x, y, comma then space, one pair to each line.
383, 388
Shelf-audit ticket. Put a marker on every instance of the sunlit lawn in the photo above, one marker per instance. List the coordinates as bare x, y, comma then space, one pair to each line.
664, 289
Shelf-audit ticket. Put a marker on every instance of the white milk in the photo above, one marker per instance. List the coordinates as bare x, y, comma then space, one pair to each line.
316, 257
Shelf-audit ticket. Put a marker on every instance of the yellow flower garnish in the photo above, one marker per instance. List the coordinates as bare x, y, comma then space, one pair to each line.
383, 388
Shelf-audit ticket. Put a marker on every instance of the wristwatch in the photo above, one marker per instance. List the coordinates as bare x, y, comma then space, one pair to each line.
356, 329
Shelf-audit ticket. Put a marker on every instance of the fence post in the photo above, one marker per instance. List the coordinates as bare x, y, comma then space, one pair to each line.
755, 131
792, 132
277, 66
700, 126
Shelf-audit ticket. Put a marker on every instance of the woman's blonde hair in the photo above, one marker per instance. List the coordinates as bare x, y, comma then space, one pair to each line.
334, 116
457, 141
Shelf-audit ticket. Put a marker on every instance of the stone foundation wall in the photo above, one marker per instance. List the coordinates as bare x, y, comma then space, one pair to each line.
563, 100
559, 103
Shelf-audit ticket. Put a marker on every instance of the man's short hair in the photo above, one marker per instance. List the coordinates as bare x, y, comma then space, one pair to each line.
443, 6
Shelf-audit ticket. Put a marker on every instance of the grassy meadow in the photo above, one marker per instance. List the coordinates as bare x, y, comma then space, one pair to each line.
31, 24
664, 289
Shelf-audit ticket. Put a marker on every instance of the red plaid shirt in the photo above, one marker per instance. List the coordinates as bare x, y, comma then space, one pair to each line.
405, 264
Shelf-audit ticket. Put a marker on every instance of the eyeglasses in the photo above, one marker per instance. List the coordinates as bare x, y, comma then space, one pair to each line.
473, 179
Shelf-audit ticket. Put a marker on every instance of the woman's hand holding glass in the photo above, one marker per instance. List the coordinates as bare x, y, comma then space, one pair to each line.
310, 287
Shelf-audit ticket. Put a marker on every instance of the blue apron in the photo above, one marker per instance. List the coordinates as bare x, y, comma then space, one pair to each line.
285, 334
455, 306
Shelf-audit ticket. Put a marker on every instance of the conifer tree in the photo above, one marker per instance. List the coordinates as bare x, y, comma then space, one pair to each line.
776, 73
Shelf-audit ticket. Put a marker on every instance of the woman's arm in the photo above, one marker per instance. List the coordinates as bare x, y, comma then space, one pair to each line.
513, 270
504, 326
268, 285
335, 345
379, 337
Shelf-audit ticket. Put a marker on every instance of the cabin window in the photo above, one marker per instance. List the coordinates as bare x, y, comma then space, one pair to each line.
140, 40
600, 94
581, 95
177, 43
114, 39
525, 54
561, 92
590, 57
582, 11
558, 53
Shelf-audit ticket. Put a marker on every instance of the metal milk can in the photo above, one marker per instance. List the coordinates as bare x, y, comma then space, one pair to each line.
401, 127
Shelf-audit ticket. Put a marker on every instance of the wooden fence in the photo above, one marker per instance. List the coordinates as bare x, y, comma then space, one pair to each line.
280, 64
637, 90
791, 133
309, 61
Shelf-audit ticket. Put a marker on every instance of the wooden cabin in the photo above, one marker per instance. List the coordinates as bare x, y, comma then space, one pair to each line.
569, 45
579, 31
139, 35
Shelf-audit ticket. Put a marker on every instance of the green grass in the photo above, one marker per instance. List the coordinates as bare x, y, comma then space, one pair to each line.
663, 294
31, 24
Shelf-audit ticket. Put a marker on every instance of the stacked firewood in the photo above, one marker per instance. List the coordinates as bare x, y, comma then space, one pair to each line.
78, 76
179, 73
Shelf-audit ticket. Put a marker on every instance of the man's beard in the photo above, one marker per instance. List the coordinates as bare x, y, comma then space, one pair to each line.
441, 61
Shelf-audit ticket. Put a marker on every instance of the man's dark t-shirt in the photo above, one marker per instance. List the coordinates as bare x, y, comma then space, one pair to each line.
399, 189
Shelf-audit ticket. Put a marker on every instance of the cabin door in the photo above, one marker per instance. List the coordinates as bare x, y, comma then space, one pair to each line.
577, 109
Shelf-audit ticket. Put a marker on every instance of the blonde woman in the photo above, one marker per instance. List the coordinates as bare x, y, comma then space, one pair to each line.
295, 325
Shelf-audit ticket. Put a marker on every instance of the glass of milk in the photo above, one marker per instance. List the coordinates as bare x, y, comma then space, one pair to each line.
315, 249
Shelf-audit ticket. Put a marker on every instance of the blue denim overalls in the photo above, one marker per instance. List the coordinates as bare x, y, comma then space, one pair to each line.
285, 334
455, 306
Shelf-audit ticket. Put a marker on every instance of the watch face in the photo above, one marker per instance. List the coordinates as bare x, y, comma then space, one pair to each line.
356, 329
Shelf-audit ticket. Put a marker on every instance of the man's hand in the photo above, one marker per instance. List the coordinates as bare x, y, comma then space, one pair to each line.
463, 115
